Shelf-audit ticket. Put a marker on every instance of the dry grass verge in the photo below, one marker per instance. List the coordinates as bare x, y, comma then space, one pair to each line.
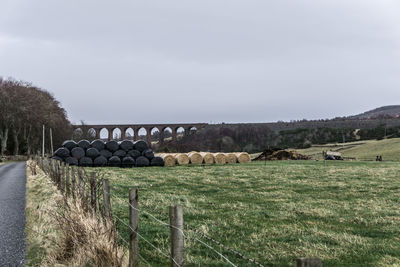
60, 232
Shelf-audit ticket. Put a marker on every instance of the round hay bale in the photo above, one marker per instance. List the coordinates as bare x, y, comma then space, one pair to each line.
78, 153
219, 158
112, 146
85, 144
181, 159
126, 145
157, 161
92, 153
106, 153
114, 161
134, 153
100, 161
141, 145
69, 144
142, 162
86, 162
230, 158
128, 162
71, 161
169, 160
57, 158
148, 153
62, 152
195, 158
98, 144
208, 158
243, 157
119, 153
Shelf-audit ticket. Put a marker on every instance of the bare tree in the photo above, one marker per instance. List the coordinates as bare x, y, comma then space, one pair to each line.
23, 110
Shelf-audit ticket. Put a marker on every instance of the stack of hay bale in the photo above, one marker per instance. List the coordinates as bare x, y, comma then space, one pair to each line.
172, 159
98, 153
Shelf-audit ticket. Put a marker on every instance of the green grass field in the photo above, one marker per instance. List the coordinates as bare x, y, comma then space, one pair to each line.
347, 213
361, 150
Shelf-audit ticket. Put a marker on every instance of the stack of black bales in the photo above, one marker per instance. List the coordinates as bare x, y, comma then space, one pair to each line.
126, 154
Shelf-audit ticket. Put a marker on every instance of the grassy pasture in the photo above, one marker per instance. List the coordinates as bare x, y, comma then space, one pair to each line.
346, 213
362, 150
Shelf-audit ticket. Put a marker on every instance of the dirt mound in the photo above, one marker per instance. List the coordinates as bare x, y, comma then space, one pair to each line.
280, 154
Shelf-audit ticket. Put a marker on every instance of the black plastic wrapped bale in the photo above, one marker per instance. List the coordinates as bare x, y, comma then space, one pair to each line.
134, 153
100, 161
142, 162
157, 161
126, 145
86, 162
85, 144
92, 153
71, 161
141, 145
57, 158
112, 146
114, 161
128, 162
62, 152
106, 153
78, 153
148, 153
119, 153
98, 144
69, 144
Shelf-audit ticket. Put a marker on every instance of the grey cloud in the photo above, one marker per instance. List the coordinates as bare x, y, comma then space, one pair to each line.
232, 61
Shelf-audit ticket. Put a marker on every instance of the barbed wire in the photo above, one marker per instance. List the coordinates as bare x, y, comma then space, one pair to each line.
172, 226
147, 241
237, 253
140, 256
219, 243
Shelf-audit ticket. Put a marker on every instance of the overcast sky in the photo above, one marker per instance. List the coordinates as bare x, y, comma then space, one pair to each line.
205, 60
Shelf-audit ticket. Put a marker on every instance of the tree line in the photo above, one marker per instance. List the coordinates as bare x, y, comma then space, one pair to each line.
24, 109
255, 138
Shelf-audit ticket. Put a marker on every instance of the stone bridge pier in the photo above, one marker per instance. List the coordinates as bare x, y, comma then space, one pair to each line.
148, 132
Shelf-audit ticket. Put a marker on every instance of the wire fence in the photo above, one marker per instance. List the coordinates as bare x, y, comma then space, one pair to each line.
95, 194
178, 229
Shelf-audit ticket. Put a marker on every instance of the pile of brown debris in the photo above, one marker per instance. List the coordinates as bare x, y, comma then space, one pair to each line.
280, 154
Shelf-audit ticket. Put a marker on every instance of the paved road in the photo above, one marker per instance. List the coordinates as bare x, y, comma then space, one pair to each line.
12, 214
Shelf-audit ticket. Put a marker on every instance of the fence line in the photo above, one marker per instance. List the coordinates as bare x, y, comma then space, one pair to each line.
147, 241
220, 244
166, 224
88, 188
200, 233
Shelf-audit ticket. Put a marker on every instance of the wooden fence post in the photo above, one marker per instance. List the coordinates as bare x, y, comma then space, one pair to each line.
53, 170
67, 180
177, 238
106, 197
57, 171
73, 182
93, 192
133, 223
62, 178
80, 184
308, 262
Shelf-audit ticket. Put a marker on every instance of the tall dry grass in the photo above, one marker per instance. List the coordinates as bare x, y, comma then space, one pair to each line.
61, 232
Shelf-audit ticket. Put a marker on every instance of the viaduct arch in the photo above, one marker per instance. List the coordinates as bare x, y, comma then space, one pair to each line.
189, 128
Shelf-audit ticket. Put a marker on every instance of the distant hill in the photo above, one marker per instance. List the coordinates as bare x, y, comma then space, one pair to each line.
386, 111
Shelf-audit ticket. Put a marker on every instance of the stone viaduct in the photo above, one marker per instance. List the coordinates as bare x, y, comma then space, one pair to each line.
137, 131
